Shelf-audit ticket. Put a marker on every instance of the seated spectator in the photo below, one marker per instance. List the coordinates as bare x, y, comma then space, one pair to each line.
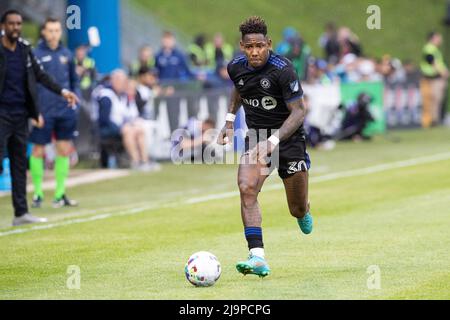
171, 62
220, 78
218, 52
299, 54
148, 89
86, 71
317, 72
119, 119
289, 35
295, 49
197, 136
356, 119
145, 59
412, 73
349, 42
330, 44
197, 54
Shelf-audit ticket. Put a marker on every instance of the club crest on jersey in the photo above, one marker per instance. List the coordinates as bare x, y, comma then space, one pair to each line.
241, 82
294, 86
265, 83
269, 103
63, 59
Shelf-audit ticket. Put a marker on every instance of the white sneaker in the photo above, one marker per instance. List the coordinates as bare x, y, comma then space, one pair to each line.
149, 167
27, 218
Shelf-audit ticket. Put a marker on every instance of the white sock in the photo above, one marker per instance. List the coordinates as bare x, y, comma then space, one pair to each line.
259, 252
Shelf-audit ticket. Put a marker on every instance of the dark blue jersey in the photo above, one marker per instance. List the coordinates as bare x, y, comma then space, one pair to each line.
266, 91
60, 65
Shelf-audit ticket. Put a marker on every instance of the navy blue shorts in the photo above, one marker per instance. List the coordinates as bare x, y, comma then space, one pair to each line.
63, 127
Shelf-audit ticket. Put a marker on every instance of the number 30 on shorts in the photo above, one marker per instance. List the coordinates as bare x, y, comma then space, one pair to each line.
295, 167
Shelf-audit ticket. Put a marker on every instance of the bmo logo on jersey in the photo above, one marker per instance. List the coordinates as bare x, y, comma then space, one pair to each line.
266, 102
269, 103
251, 102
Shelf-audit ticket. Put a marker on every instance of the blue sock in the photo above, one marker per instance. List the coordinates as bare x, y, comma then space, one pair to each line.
254, 237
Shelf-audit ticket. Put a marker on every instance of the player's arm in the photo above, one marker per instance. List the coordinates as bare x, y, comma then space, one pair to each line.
290, 125
292, 93
293, 122
226, 135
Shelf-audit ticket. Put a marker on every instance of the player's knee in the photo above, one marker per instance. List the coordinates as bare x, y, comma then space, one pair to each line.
64, 149
38, 151
64, 153
248, 189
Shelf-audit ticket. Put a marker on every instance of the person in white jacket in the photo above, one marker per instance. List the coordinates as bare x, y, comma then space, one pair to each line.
118, 117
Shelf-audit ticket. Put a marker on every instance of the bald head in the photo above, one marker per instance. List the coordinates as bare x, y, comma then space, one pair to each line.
119, 81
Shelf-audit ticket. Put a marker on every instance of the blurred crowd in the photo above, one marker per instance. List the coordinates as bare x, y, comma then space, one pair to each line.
126, 95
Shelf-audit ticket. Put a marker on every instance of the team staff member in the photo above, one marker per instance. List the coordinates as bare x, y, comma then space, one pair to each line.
19, 73
57, 60
434, 80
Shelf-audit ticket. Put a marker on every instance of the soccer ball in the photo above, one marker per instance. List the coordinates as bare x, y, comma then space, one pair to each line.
202, 269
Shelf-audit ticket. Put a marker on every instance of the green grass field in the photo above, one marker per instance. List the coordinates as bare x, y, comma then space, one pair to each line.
132, 236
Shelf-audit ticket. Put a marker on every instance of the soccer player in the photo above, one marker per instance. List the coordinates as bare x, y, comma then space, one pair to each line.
269, 89
58, 118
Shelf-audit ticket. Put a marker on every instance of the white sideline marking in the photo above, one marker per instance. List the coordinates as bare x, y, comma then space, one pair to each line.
278, 186
85, 178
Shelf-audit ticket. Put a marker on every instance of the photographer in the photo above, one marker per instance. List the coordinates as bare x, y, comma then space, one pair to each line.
356, 119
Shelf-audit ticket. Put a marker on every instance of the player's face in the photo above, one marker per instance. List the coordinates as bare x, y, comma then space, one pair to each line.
52, 32
13, 27
257, 48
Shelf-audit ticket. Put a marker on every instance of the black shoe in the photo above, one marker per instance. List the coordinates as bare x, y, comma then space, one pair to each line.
37, 202
64, 202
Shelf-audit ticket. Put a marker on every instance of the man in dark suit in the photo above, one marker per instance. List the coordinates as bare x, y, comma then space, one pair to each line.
20, 72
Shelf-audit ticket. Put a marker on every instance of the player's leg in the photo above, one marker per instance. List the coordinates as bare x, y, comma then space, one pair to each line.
251, 178
250, 182
65, 128
296, 187
37, 173
39, 137
294, 164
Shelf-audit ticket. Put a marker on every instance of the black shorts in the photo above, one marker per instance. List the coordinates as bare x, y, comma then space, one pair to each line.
289, 157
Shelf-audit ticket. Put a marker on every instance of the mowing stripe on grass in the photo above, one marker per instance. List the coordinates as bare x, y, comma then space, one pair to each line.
278, 186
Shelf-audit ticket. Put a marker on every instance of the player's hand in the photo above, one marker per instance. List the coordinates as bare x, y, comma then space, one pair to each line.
39, 123
226, 134
261, 153
71, 97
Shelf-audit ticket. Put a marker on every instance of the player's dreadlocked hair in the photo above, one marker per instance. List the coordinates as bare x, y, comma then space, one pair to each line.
253, 24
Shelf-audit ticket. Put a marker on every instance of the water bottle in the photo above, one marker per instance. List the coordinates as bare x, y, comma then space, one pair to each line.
5, 177
112, 162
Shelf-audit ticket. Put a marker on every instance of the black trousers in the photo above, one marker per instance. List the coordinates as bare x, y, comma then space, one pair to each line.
13, 137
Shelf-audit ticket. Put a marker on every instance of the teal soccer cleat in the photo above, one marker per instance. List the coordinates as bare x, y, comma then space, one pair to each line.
306, 223
254, 265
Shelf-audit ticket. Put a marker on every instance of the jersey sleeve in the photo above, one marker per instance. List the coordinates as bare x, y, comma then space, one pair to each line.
290, 85
230, 70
